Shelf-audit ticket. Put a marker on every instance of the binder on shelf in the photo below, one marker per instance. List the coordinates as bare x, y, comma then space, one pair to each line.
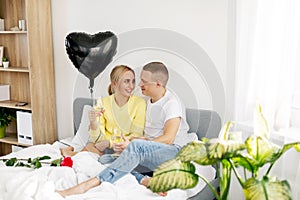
24, 127
1, 24
4, 92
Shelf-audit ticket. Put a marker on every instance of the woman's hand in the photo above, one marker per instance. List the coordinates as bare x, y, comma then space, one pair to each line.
119, 147
93, 114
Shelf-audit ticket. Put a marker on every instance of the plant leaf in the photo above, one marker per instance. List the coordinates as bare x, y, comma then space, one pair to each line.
45, 158
261, 149
37, 164
172, 165
295, 145
271, 189
11, 162
225, 178
285, 148
195, 151
222, 149
223, 135
261, 127
209, 152
246, 161
20, 164
56, 162
173, 174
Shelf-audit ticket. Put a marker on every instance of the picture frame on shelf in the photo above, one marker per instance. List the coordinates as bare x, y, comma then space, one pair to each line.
1, 54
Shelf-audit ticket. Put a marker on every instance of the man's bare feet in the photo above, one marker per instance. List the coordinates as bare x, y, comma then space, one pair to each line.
68, 151
145, 182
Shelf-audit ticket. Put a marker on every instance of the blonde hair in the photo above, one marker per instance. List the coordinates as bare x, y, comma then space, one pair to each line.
159, 72
116, 74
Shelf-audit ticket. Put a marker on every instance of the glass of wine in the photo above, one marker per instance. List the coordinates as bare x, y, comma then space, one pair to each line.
117, 135
98, 108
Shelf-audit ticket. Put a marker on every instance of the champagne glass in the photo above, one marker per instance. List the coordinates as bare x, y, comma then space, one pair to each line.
116, 139
117, 135
98, 108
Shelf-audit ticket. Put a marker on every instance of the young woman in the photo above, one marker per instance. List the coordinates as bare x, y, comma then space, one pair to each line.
121, 113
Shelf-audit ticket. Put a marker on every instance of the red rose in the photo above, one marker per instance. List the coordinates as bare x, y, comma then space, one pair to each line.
67, 161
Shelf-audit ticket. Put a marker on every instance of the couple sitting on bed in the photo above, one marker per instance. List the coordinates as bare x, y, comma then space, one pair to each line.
164, 121
120, 112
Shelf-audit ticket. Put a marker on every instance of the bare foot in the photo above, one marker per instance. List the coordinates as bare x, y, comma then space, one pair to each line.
80, 188
61, 193
68, 151
145, 182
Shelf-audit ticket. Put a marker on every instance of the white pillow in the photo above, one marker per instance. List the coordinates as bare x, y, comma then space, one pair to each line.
82, 135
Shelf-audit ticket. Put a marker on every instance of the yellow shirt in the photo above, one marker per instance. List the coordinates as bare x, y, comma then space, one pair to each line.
129, 119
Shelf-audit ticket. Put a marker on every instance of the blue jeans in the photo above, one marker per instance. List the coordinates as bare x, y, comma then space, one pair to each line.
139, 152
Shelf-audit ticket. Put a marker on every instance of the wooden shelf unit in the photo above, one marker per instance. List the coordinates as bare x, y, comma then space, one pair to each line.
15, 69
31, 71
13, 140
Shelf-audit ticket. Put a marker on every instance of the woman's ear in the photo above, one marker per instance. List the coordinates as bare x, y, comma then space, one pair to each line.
113, 86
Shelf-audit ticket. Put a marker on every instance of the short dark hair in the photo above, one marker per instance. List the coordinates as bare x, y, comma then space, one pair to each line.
159, 71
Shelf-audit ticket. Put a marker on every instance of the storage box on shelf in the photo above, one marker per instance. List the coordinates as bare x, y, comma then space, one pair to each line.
4, 93
24, 127
30, 74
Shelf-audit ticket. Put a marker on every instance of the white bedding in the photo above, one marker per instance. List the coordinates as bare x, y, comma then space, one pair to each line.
23, 183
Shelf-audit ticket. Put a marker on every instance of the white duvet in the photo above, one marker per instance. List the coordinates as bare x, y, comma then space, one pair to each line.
23, 183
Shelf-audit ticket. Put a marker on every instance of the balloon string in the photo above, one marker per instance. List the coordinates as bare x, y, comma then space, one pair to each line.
92, 95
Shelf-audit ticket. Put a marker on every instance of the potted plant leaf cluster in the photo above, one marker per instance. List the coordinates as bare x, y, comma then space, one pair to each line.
5, 62
7, 115
228, 153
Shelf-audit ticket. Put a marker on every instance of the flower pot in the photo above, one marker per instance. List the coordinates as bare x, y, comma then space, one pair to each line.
5, 64
2, 131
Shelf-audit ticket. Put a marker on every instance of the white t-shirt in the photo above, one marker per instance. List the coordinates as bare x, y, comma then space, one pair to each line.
157, 113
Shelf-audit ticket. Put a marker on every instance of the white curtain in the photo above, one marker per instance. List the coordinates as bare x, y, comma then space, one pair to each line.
268, 33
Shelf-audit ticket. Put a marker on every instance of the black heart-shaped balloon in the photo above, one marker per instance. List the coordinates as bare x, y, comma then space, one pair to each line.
91, 54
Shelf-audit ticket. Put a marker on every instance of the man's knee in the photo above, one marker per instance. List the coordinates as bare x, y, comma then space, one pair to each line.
136, 145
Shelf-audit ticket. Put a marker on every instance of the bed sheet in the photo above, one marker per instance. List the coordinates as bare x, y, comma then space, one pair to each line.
25, 183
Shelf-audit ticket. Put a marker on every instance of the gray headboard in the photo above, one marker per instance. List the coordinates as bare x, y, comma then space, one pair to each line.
78, 105
206, 123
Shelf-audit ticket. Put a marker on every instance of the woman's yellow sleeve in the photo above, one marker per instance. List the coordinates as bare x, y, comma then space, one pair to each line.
138, 123
98, 134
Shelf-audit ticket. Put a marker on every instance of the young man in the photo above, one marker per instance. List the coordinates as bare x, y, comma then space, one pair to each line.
165, 123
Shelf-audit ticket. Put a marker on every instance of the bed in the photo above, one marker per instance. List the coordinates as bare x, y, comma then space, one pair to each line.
25, 183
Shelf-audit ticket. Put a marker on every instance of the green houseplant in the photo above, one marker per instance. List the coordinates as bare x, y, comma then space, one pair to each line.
6, 116
228, 153
5, 62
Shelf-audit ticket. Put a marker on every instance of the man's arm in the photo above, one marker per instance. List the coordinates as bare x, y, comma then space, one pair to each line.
170, 130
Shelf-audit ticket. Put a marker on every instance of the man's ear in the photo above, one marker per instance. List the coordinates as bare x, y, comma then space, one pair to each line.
159, 83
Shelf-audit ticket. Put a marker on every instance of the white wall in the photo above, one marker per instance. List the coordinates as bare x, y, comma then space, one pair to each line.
205, 22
